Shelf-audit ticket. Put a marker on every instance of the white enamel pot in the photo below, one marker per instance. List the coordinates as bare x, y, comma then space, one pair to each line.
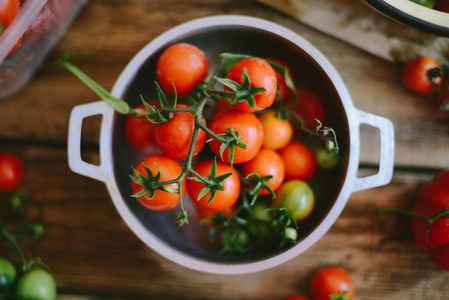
189, 245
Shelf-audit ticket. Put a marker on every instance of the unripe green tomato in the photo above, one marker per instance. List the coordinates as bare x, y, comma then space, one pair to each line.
326, 159
297, 197
262, 229
291, 233
426, 3
260, 211
36, 284
7, 275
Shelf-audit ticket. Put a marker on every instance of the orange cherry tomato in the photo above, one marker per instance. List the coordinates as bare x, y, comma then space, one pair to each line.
247, 125
331, 280
261, 74
277, 133
169, 169
266, 162
299, 161
223, 199
183, 65
415, 75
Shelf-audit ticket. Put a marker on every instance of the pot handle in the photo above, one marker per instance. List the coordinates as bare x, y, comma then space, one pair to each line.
386, 162
76, 163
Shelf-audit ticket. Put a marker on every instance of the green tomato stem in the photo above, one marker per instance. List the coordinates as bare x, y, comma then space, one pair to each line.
12, 240
119, 105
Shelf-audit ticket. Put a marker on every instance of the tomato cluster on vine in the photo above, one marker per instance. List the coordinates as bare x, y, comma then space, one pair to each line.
247, 153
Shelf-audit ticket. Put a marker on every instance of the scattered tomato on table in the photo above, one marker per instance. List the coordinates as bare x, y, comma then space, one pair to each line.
430, 219
415, 75
12, 172
332, 280
425, 76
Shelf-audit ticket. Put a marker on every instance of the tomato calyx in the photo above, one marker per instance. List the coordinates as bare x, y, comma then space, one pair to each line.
212, 183
257, 182
342, 296
151, 183
243, 92
230, 139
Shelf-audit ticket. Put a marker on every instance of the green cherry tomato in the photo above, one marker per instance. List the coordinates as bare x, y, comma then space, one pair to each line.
7, 275
326, 159
426, 3
297, 197
36, 284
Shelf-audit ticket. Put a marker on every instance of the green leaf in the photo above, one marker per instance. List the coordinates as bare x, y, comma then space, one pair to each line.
203, 192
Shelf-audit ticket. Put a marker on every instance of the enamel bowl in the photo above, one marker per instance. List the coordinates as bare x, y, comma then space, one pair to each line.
189, 246
414, 15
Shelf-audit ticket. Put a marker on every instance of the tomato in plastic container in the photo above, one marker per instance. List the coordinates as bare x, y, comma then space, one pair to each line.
27, 41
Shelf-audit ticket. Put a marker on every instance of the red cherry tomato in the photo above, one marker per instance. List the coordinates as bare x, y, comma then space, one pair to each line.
277, 133
283, 92
442, 5
8, 12
261, 74
309, 108
249, 127
296, 297
169, 169
331, 280
12, 172
415, 75
433, 198
183, 65
299, 161
223, 199
175, 136
140, 132
266, 162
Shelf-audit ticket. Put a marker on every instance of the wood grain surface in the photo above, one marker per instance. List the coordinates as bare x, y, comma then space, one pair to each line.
94, 255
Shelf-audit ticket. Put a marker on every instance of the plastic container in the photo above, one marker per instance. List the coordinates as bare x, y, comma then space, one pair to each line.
39, 25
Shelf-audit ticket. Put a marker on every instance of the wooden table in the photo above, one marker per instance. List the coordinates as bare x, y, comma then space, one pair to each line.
94, 255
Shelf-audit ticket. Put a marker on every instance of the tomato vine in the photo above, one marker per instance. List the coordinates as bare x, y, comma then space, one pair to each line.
231, 139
